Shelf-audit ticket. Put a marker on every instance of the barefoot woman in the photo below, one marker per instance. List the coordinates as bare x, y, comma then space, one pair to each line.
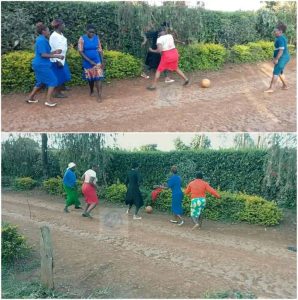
169, 57
281, 58
90, 49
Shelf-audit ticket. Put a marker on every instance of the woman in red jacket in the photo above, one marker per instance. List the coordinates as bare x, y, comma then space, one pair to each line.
197, 190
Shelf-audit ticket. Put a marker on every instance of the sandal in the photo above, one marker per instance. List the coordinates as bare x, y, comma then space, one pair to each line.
32, 101
186, 82
145, 76
151, 88
50, 104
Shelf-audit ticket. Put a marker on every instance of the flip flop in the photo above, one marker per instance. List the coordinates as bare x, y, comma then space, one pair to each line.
269, 91
32, 101
50, 104
151, 88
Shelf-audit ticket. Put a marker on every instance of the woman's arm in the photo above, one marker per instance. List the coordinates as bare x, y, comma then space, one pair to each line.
91, 181
158, 50
144, 39
101, 54
279, 54
54, 54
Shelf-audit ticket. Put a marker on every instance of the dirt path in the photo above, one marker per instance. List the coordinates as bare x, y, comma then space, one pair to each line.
152, 258
235, 102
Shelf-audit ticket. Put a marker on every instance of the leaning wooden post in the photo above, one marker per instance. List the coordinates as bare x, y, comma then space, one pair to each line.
47, 260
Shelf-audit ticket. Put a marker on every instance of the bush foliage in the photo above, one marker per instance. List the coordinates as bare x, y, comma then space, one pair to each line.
235, 207
120, 24
24, 183
13, 244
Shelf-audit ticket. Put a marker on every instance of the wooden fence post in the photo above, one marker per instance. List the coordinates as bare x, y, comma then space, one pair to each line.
47, 260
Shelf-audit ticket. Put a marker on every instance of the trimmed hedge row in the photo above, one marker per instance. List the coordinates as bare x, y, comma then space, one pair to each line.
235, 207
118, 65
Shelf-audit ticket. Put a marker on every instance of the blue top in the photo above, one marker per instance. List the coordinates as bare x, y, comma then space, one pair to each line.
91, 47
174, 183
41, 46
281, 42
69, 178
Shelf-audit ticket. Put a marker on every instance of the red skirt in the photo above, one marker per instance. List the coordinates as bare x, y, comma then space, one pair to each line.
169, 60
89, 192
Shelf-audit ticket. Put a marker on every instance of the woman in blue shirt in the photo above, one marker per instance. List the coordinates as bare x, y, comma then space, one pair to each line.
42, 65
281, 57
70, 187
175, 183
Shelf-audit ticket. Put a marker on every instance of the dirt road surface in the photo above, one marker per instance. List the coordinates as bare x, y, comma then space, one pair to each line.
234, 102
152, 258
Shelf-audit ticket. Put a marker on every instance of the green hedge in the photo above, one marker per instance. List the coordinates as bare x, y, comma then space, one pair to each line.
120, 24
254, 52
202, 57
24, 183
235, 207
118, 65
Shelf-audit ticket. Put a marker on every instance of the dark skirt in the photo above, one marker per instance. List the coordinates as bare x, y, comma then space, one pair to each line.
152, 60
134, 196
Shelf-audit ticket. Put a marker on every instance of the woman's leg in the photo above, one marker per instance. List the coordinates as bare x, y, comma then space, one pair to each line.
91, 86
98, 85
156, 77
49, 96
272, 84
136, 217
86, 208
182, 75
129, 208
283, 80
91, 206
35, 90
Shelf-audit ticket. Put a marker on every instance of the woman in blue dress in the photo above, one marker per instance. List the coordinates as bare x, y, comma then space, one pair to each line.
42, 65
91, 51
175, 183
281, 57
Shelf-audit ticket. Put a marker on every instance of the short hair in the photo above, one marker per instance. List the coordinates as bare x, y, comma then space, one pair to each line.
199, 175
56, 23
174, 169
161, 29
135, 165
40, 27
94, 165
282, 27
90, 26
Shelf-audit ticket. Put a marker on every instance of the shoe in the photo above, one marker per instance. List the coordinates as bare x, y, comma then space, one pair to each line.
87, 215
145, 76
196, 226
78, 207
181, 223
50, 104
173, 221
151, 88
137, 218
66, 210
32, 101
169, 80
186, 82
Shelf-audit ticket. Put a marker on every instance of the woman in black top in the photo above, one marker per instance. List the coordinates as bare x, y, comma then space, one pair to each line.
133, 195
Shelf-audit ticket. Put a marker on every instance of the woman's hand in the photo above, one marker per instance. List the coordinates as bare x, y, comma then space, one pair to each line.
93, 63
151, 50
59, 56
275, 61
58, 51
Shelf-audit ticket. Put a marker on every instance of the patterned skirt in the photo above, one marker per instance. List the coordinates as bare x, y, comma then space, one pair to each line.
93, 74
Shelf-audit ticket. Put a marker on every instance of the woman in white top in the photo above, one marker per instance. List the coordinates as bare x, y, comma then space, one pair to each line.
60, 66
89, 190
169, 57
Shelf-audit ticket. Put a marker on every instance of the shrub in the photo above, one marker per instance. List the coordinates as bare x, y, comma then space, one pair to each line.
196, 57
241, 54
24, 183
231, 207
13, 244
54, 186
6, 181
115, 192
118, 65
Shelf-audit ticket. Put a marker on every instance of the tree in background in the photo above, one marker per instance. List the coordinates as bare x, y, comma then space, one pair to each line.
199, 141
149, 147
243, 141
44, 155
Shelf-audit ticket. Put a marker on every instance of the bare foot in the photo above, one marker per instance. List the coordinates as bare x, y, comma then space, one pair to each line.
285, 87
269, 91
99, 99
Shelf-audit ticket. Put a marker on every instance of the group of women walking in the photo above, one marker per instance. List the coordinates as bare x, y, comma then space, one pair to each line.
50, 64
196, 189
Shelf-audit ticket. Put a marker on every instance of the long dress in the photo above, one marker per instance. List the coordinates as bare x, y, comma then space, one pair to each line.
42, 67
60, 66
70, 187
152, 59
91, 48
174, 183
133, 195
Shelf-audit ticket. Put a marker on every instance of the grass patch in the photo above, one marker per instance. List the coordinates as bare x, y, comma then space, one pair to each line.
229, 295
